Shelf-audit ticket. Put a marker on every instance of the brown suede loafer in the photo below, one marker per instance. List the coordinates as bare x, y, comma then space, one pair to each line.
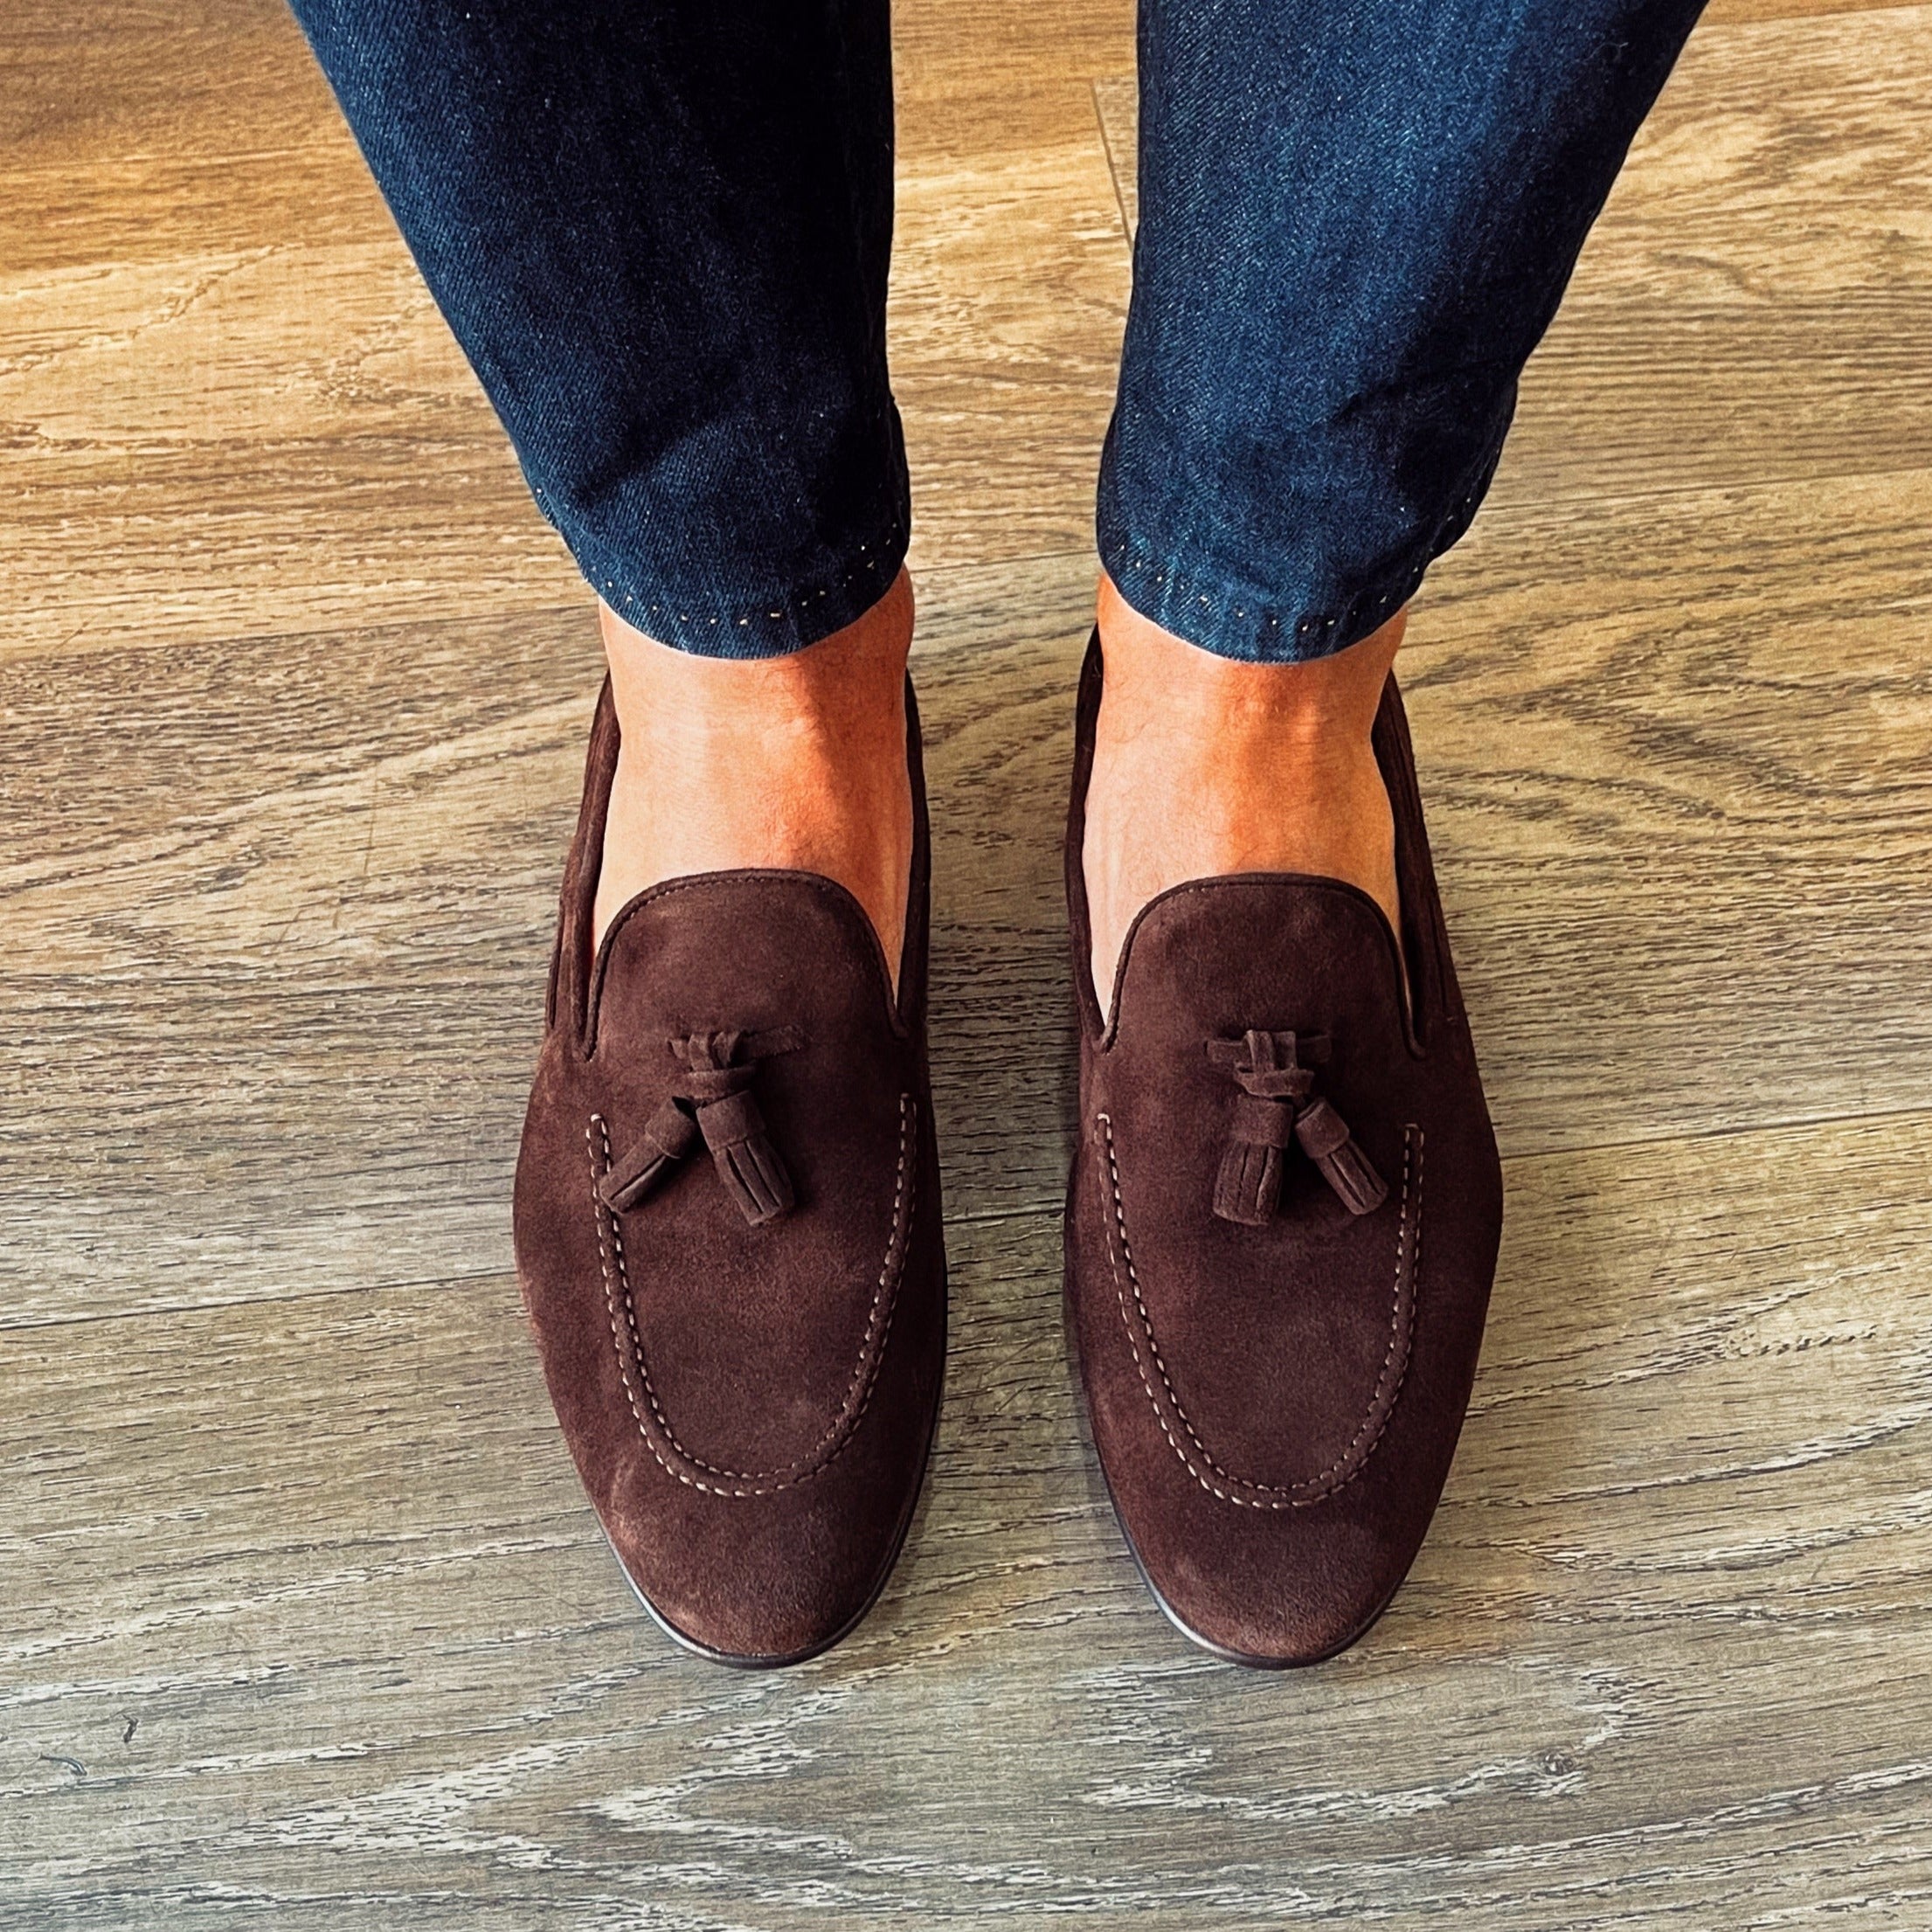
727, 1228
1281, 1230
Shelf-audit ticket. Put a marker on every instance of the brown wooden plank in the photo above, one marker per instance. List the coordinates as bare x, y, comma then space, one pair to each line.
978, 46
283, 436
1117, 106
1009, 291
288, 417
1790, 9
310, 1596
282, 907
83, 84
302, 1620
133, 132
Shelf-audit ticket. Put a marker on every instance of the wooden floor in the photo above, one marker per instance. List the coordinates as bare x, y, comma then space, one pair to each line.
303, 1622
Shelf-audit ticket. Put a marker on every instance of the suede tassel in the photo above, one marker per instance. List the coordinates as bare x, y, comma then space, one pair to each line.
747, 1162
1248, 1186
1278, 1103
1325, 1139
668, 1135
713, 1102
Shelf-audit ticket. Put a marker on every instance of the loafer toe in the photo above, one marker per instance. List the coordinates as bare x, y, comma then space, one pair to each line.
1282, 1225
728, 1236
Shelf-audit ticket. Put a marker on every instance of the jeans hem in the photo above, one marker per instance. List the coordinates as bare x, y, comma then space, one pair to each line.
773, 625
1252, 626
1244, 625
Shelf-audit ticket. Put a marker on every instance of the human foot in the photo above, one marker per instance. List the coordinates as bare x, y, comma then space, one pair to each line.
796, 763
727, 1196
1257, 1136
1204, 766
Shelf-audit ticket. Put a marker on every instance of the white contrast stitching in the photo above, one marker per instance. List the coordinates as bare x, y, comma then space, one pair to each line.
1349, 1462
845, 1421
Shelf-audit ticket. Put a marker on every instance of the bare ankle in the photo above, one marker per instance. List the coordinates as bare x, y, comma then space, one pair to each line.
1204, 765
1153, 675
797, 763
847, 682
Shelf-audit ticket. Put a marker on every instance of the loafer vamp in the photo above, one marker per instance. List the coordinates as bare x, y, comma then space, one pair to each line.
1273, 1352
757, 1344
1277, 1405
1282, 1226
747, 1404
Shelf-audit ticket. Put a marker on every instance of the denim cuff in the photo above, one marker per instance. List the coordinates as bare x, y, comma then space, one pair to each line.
835, 590
1232, 614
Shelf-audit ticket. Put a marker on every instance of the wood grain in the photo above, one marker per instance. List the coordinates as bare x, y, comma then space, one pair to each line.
303, 1620
270, 395
1790, 10
986, 47
136, 133
1009, 291
227, 405
309, 1595
286, 909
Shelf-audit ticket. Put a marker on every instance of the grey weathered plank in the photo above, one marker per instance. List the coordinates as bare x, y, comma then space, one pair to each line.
1662, 1659
292, 694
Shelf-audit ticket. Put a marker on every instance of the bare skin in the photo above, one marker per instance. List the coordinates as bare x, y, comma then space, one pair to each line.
1203, 766
795, 762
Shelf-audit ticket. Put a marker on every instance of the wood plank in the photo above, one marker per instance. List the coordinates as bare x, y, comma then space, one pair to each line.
283, 436
1678, 803
978, 46
142, 78
274, 439
337, 464
283, 906
133, 132
1009, 291
303, 1621
1117, 106
309, 1595
1731, 11
258, 1053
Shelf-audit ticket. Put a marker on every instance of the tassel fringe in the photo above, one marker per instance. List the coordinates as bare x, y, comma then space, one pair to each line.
1278, 1103
1248, 1185
668, 1135
713, 1103
755, 1178
1324, 1138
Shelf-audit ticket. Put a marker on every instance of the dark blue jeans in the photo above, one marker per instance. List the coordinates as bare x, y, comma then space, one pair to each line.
660, 230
